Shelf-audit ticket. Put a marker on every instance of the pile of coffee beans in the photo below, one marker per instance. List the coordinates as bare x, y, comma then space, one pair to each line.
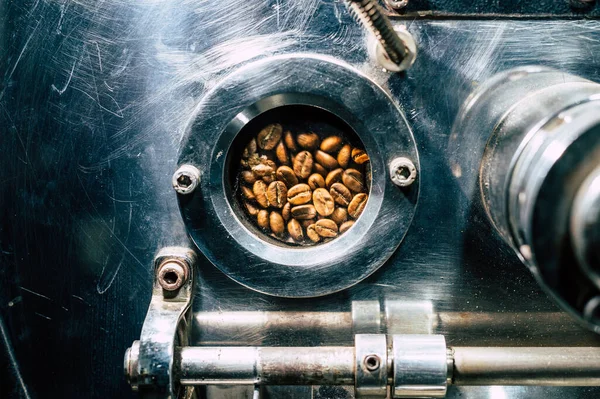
303, 188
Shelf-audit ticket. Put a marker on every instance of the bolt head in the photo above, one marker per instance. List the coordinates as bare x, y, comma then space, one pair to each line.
186, 179
172, 275
372, 362
397, 4
403, 172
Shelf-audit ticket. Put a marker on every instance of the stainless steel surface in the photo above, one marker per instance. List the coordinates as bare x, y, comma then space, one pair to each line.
544, 143
585, 226
266, 365
526, 366
420, 367
366, 317
371, 366
372, 17
297, 84
94, 98
149, 362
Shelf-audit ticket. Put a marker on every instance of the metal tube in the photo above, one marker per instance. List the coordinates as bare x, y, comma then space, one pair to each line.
266, 366
527, 366
558, 366
257, 328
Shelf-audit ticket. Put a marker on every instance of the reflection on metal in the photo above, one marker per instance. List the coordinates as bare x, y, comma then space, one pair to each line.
237, 328
419, 363
544, 144
527, 366
216, 223
149, 362
420, 366
371, 366
396, 51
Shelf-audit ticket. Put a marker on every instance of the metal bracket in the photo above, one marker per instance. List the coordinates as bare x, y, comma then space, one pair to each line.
149, 361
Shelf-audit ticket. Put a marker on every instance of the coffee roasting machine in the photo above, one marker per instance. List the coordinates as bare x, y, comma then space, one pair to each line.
277, 199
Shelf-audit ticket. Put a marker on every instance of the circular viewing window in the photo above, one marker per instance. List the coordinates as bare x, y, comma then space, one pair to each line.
298, 175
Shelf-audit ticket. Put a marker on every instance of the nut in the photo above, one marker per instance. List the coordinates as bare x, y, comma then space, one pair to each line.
186, 179
172, 274
403, 172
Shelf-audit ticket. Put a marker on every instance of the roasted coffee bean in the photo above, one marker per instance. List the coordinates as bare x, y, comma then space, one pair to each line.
269, 162
344, 155
359, 156
323, 202
335, 176
339, 215
357, 205
317, 168
303, 212
248, 176
282, 154
295, 229
353, 179
286, 212
345, 226
269, 178
260, 192
299, 194
316, 181
248, 193
303, 164
269, 137
277, 194
326, 160
276, 223
251, 162
261, 170
263, 219
326, 228
290, 142
252, 210
287, 175
312, 233
331, 144
340, 194
307, 222
250, 149
308, 141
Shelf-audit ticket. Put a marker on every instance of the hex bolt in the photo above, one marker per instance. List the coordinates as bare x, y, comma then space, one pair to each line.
372, 362
397, 4
172, 274
403, 172
186, 179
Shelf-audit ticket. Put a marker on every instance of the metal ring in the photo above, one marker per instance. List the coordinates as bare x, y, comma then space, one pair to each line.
211, 217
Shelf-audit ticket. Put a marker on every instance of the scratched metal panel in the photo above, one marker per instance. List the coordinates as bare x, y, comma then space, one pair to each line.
93, 100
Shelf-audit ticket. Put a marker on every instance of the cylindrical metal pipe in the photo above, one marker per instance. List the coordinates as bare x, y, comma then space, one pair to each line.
549, 366
266, 365
257, 328
527, 366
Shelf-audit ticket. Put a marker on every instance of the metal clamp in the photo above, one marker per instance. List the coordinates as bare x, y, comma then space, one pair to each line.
420, 366
149, 361
371, 366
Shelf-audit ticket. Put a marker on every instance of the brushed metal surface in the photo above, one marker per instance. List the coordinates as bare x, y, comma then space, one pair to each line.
94, 98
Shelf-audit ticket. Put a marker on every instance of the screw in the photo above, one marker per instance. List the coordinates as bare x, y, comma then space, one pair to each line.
403, 172
372, 362
130, 365
397, 4
172, 274
186, 179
